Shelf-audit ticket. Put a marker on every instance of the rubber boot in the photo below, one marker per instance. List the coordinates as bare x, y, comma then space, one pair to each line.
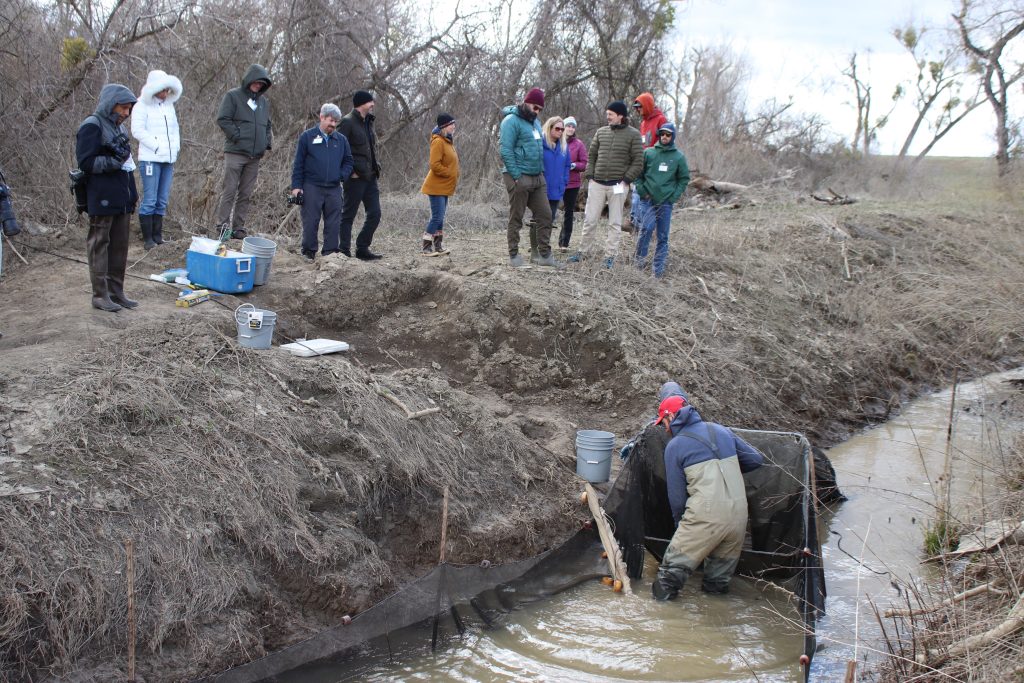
438, 247
668, 582
117, 264
146, 223
158, 228
100, 295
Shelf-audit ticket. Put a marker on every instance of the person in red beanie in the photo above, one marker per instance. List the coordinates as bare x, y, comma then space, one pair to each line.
522, 151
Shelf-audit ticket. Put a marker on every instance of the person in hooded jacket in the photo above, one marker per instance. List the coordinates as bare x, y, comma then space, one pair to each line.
704, 466
522, 153
103, 152
577, 166
557, 166
155, 126
244, 117
440, 183
651, 119
661, 183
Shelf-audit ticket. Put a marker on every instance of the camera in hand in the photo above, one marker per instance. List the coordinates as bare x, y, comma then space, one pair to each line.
296, 199
120, 147
7, 219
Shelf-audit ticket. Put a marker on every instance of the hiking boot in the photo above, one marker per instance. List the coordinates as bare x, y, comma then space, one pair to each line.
516, 261
438, 247
428, 247
546, 261
146, 225
346, 251
367, 255
309, 256
158, 228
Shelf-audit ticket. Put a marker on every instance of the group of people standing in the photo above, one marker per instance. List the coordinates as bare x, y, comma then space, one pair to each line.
544, 166
336, 170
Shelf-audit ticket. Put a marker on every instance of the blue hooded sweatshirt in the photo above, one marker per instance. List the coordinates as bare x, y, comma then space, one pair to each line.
557, 163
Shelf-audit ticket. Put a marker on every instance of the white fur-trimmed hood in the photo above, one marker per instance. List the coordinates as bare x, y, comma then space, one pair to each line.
157, 81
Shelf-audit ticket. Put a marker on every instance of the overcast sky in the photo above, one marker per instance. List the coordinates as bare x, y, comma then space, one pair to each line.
799, 48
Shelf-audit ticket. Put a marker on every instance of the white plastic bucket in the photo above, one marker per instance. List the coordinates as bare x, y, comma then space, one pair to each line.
594, 450
255, 326
263, 251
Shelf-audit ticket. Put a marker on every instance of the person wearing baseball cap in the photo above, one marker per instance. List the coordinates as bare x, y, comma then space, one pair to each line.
704, 467
662, 182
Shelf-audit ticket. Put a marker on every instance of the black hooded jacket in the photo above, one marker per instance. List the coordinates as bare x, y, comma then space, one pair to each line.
363, 140
110, 189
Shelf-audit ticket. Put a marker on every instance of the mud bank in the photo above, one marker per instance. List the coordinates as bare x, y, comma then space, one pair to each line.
267, 496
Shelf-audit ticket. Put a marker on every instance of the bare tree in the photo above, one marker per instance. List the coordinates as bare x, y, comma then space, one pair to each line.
867, 130
996, 25
937, 88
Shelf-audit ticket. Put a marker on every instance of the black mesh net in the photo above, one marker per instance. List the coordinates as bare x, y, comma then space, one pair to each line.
782, 548
782, 541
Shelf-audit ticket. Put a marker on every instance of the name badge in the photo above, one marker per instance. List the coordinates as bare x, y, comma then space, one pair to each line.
318, 140
149, 169
663, 167
536, 134
252, 104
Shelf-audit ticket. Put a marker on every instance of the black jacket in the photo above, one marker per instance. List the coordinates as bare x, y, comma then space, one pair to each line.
246, 130
101, 149
363, 140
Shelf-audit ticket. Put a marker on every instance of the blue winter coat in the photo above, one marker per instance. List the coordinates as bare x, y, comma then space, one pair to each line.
521, 140
326, 163
689, 448
557, 162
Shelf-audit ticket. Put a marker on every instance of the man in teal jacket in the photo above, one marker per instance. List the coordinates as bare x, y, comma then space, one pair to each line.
522, 151
660, 185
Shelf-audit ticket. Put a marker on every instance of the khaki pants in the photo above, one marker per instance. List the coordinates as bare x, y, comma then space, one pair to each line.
715, 538
597, 196
240, 173
530, 192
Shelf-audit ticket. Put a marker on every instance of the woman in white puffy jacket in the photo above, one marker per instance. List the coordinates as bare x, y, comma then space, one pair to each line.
155, 126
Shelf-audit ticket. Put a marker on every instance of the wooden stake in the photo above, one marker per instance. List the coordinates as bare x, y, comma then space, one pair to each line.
851, 671
129, 549
444, 525
611, 546
14, 249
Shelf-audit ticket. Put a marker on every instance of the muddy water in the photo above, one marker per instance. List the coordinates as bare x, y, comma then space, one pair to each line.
888, 472
591, 634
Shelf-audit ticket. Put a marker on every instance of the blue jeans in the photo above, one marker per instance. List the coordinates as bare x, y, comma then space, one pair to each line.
156, 187
438, 207
653, 218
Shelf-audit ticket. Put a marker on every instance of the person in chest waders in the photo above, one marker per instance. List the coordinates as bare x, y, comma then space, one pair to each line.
704, 466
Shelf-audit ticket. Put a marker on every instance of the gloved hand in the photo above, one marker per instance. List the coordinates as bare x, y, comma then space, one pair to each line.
626, 451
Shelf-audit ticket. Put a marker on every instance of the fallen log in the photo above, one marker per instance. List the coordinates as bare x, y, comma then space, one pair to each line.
834, 198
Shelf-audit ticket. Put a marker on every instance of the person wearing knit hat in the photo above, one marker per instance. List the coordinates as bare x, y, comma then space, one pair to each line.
361, 189
616, 159
439, 185
522, 153
661, 183
704, 467
578, 164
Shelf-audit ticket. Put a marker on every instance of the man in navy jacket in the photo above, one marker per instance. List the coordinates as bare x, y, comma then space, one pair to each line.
323, 161
704, 466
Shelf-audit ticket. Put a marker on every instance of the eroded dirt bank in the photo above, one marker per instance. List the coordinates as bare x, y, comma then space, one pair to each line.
267, 496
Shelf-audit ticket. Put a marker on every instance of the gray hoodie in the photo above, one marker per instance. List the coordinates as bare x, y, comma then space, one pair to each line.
247, 127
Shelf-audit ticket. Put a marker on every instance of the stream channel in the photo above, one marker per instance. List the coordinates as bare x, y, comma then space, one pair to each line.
871, 544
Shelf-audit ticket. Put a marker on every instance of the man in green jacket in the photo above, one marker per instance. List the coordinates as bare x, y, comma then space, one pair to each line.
522, 151
244, 116
660, 185
616, 159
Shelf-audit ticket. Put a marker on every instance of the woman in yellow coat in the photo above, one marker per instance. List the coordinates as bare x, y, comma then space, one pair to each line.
440, 184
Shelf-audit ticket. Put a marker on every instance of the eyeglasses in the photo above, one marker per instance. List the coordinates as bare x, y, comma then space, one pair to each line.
665, 135
536, 108
559, 128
